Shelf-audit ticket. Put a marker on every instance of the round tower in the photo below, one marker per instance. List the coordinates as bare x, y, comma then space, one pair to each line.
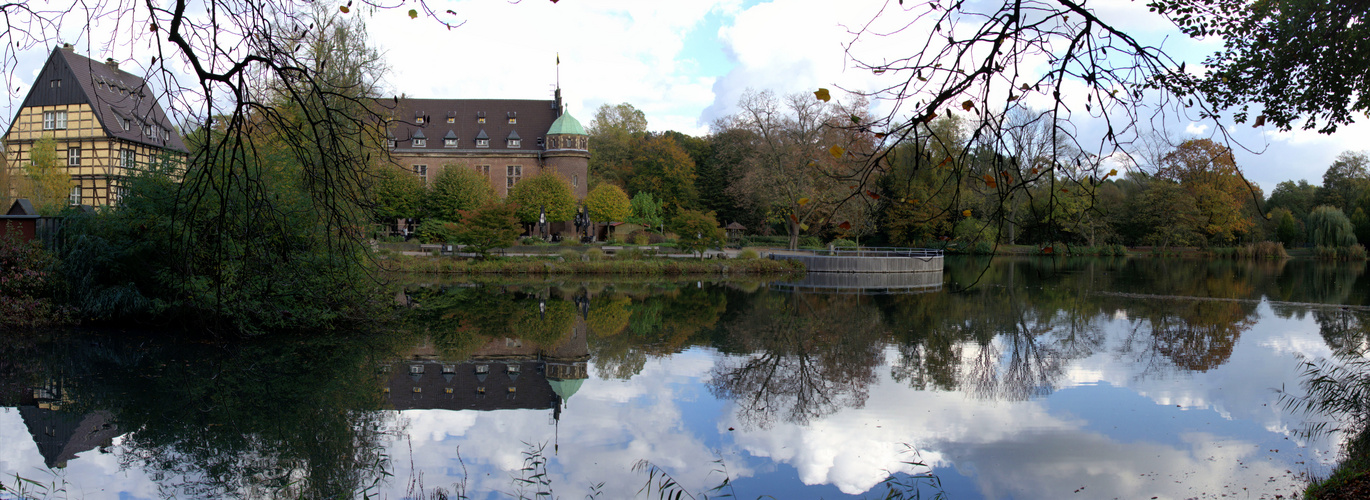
566, 151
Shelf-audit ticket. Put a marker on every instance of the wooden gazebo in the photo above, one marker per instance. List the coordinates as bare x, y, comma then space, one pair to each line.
735, 231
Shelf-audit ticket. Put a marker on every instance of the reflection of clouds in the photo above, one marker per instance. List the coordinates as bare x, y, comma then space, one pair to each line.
92, 475
1054, 464
607, 426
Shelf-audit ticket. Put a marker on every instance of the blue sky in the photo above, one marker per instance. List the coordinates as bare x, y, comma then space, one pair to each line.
686, 63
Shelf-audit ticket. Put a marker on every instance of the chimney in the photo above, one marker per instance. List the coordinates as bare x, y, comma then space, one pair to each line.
109, 61
69, 47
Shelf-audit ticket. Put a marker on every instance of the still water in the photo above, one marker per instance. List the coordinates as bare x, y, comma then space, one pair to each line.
1016, 378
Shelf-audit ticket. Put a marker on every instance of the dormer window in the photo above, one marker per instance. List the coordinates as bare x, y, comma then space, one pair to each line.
56, 84
480, 120
128, 124
391, 143
419, 117
513, 143
449, 143
480, 117
420, 143
482, 143
451, 119
513, 117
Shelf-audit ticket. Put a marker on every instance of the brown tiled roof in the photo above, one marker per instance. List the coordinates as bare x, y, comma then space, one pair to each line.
533, 119
114, 94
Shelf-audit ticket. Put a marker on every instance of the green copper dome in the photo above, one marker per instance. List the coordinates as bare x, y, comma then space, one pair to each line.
565, 388
566, 124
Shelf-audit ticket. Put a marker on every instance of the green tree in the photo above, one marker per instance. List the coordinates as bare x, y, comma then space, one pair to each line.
697, 231
491, 226
1298, 198
1302, 60
665, 170
458, 188
548, 190
398, 195
608, 203
1346, 180
1287, 228
646, 211
1329, 227
44, 183
615, 133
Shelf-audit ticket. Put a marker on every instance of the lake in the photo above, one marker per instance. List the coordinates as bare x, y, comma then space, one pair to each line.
1016, 378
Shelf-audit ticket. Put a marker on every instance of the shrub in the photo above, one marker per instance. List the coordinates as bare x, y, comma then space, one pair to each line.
26, 287
810, 242
639, 238
594, 254
629, 253
843, 243
435, 231
569, 255
491, 226
983, 248
698, 231
531, 241
569, 242
748, 254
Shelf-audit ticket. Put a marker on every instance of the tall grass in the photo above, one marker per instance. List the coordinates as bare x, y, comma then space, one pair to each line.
1265, 250
1351, 253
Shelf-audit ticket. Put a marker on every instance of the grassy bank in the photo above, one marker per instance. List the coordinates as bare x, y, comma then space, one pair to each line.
532, 266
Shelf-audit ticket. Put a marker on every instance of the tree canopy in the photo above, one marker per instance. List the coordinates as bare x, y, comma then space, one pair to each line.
545, 190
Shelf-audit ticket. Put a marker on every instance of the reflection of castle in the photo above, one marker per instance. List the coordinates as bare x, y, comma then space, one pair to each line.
503, 374
61, 435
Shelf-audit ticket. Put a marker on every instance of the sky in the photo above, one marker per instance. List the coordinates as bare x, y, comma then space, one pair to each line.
685, 64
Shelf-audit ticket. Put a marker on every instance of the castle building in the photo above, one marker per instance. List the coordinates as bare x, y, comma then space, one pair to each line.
506, 140
105, 121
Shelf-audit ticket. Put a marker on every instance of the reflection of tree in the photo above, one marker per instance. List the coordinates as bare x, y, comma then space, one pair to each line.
998, 342
653, 325
461, 319
810, 356
1344, 330
1194, 334
285, 417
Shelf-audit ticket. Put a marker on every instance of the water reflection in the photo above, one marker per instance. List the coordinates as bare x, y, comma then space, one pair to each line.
293, 417
998, 385
805, 357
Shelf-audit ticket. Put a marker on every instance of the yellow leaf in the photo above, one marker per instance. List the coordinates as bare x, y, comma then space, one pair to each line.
803, 201
836, 152
803, 227
822, 94
344, 9
967, 105
413, 14
966, 212
1113, 172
